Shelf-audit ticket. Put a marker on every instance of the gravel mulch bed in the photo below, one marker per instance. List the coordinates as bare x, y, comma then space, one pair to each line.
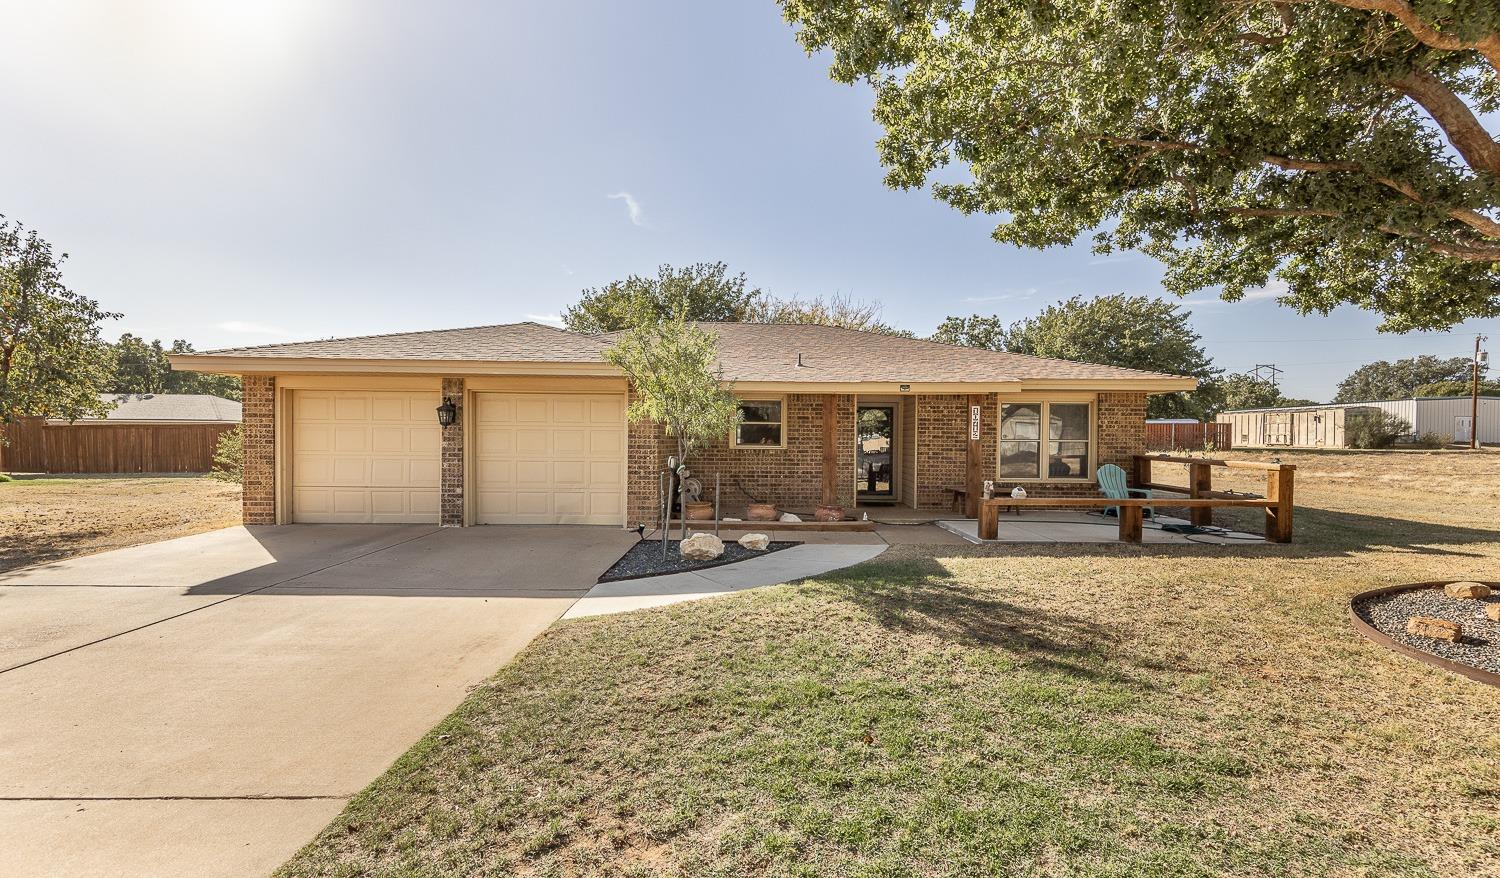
644, 559
1481, 644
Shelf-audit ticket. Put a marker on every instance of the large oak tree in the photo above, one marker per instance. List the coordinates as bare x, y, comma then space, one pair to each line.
1338, 145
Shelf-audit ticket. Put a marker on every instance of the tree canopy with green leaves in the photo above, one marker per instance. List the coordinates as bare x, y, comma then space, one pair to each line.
1136, 332
1401, 378
1242, 390
1458, 388
704, 291
672, 366
52, 360
1337, 145
142, 367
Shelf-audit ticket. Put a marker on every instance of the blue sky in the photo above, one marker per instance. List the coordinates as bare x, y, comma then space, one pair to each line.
291, 169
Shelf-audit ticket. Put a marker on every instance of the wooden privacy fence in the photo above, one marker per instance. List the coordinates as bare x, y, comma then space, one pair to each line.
34, 446
1191, 437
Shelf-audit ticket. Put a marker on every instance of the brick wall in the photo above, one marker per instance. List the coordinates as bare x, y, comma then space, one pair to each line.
258, 427
1122, 428
942, 448
452, 503
790, 477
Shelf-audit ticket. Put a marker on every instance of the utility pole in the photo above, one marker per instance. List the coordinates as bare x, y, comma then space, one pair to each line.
1474, 398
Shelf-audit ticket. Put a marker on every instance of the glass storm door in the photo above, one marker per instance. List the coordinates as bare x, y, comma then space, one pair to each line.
874, 458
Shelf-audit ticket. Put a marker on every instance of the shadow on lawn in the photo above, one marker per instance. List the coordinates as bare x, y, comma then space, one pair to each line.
1327, 533
46, 548
921, 597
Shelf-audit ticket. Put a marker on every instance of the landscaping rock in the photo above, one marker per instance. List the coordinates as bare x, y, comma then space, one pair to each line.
1437, 629
1492, 612
759, 543
701, 547
788, 516
1466, 590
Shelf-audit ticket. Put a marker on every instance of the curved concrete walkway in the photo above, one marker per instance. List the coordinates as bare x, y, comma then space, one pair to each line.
786, 565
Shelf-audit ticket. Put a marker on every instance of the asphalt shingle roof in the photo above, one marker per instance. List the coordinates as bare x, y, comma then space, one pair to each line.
169, 407
505, 342
747, 352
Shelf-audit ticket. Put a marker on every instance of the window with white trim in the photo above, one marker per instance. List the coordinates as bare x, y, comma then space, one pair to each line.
1064, 452
762, 424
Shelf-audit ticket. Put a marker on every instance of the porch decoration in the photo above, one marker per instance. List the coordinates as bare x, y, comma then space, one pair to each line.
829, 513
701, 547
762, 512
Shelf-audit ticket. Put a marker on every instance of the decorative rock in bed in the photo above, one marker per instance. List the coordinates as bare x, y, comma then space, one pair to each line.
1466, 590
1492, 612
702, 547
789, 516
1438, 629
755, 542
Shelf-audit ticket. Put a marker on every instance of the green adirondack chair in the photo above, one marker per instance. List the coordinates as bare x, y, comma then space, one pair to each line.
1112, 485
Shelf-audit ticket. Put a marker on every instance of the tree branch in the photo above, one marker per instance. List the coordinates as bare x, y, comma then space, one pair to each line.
1487, 45
1467, 134
1476, 252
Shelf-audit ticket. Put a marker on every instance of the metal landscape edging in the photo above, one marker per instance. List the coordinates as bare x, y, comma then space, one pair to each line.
1479, 675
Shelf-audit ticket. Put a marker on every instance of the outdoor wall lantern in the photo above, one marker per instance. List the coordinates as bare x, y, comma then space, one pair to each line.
447, 412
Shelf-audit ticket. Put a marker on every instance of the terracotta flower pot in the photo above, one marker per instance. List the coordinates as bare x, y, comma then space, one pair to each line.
829, 513
762, 512
699, 511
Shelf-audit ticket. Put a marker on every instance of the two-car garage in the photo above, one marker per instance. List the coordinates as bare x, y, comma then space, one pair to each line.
357, 455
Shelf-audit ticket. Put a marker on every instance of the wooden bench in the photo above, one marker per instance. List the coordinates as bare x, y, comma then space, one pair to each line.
1132, 514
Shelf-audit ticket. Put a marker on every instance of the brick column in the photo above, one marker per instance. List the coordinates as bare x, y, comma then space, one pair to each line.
452, 484
258, 428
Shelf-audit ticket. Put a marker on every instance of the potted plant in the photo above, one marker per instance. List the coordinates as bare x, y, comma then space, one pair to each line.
762, 512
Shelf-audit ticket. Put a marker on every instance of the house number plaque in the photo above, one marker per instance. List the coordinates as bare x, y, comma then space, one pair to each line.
974, 423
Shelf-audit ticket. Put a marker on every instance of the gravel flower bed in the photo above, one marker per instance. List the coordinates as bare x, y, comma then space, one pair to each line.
1480, 647
644, 559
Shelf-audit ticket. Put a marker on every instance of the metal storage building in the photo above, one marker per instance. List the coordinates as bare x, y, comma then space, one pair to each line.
1323, 426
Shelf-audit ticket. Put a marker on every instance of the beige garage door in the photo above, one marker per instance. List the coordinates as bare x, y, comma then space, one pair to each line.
549, 458
365, 456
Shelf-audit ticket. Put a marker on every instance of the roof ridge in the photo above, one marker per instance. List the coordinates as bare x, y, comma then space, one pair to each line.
277, 344
944, 344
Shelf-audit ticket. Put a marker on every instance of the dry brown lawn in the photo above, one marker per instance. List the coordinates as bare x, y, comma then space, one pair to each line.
44, 519
1007, 710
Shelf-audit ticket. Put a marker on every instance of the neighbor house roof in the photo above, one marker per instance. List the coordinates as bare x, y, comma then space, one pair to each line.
167, 407
751, 353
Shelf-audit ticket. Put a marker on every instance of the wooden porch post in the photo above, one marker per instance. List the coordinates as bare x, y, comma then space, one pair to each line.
1201, 484
974, 477
830, 451
1279, 517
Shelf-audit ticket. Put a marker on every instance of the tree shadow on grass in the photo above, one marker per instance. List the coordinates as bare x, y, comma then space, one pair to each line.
1333, 533
46, 548
921, 597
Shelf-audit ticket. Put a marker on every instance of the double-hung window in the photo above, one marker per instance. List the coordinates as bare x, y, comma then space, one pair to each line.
762, 424
1045, 440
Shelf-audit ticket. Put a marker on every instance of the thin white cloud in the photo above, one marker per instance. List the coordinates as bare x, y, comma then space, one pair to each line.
631, 205
555, 319
1000, 297
567, 269
1272, 290
244, 327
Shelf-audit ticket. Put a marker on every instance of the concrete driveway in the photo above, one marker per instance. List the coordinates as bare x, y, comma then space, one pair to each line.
202, 706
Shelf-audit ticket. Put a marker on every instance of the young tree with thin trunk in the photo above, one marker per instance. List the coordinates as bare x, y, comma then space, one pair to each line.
52, 360
1340, 146
672, 367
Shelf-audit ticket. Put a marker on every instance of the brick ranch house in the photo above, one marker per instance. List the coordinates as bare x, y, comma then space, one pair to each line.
346, 430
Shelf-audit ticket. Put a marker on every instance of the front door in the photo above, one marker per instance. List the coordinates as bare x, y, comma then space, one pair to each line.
875, 458
1463, 428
